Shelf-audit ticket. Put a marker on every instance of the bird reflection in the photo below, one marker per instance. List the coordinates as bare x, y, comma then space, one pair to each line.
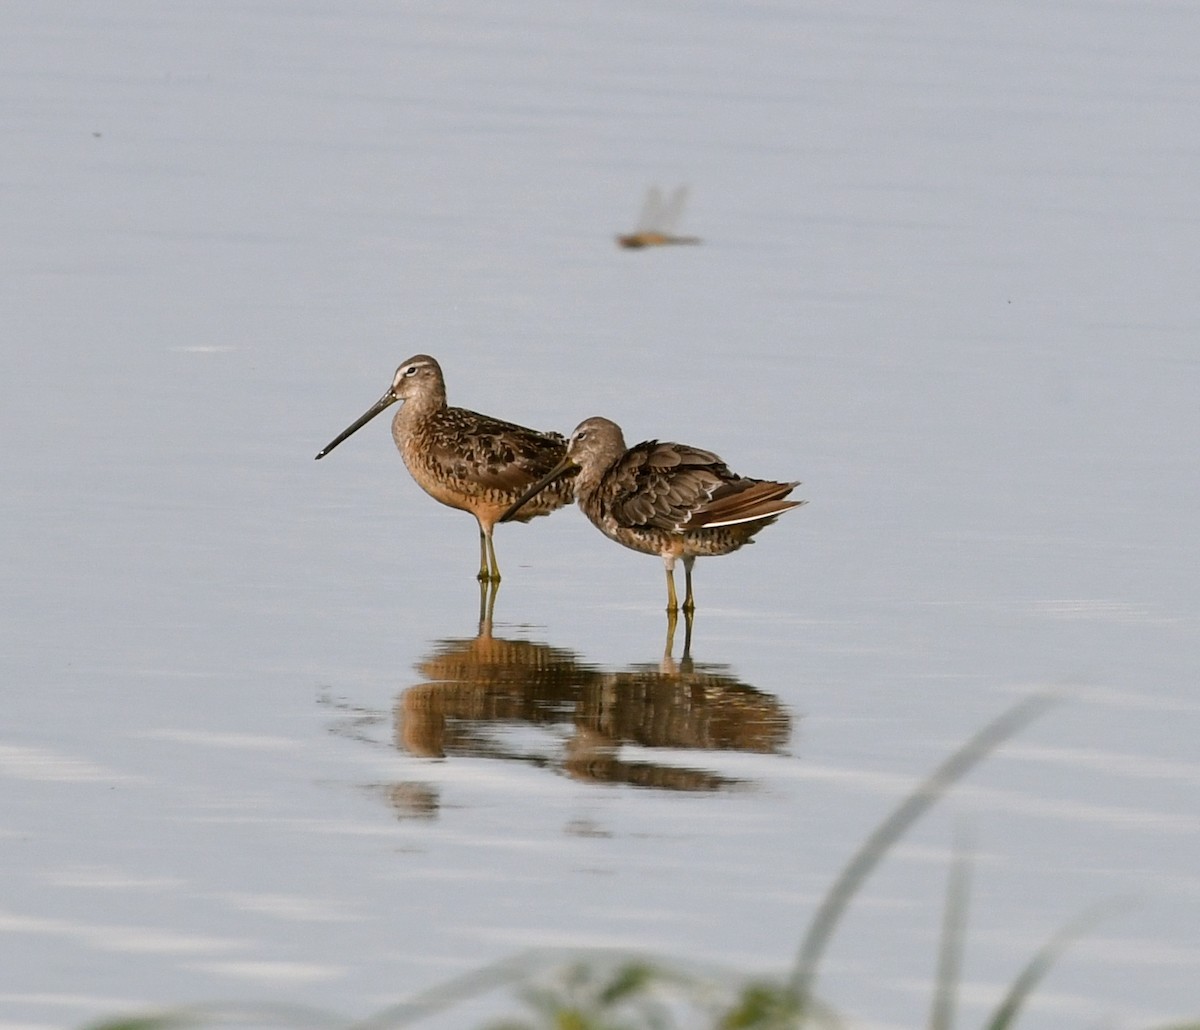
478, 682
481, 695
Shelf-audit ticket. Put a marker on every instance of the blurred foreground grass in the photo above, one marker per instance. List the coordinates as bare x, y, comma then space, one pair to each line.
595, 990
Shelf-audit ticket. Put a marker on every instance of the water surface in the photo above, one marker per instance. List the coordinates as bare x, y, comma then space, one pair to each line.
253, 746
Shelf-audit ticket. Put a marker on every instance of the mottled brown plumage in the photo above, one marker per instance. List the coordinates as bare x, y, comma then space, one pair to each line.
466, 460
668, 499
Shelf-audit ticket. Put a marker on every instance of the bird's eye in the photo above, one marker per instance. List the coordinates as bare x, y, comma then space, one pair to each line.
410, 371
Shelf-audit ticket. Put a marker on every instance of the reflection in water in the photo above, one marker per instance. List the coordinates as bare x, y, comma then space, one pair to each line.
481, 695
409, 800
413, 800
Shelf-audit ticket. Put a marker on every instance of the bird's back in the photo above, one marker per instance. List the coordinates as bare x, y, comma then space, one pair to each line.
473, 461
668, 496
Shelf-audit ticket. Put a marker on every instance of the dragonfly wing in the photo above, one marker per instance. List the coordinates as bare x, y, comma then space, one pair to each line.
669, 217
651, 210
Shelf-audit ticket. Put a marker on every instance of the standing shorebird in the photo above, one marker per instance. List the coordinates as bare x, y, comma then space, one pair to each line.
657, 221
466, 460
660, 498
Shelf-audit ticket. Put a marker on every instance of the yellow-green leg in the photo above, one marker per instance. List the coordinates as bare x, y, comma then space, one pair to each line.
491, 546
689, 602
489, 571
483, 575
672, 600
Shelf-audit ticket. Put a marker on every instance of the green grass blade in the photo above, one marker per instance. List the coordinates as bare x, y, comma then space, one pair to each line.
860, 866
950, 951
630, 979
290, 1017
1038, 966
451, 992
767, 1005
165, 1021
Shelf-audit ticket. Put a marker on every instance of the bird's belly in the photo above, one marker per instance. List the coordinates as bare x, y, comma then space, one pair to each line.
647, 541
444, 487
695, 543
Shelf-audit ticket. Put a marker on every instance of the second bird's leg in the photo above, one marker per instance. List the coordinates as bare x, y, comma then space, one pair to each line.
689, 602
672, 600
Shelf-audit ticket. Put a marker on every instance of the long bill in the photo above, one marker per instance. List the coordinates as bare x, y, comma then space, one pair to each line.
561, 469
385, 401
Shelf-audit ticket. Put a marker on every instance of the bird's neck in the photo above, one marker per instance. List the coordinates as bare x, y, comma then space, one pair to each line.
415, 409
588, 479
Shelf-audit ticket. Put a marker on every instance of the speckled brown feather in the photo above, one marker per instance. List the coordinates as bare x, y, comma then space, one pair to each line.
466, 460
678, 490
668, 499
661, 485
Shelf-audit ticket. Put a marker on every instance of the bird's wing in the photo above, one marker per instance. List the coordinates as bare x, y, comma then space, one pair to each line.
493, 454
661, 485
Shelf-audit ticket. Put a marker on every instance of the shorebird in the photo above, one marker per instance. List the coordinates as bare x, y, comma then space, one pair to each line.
467, 461
657, 221
669, 499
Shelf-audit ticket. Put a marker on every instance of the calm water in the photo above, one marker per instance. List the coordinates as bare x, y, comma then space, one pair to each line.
252, 746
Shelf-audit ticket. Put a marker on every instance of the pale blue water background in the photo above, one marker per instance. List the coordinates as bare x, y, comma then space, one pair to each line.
948, 280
